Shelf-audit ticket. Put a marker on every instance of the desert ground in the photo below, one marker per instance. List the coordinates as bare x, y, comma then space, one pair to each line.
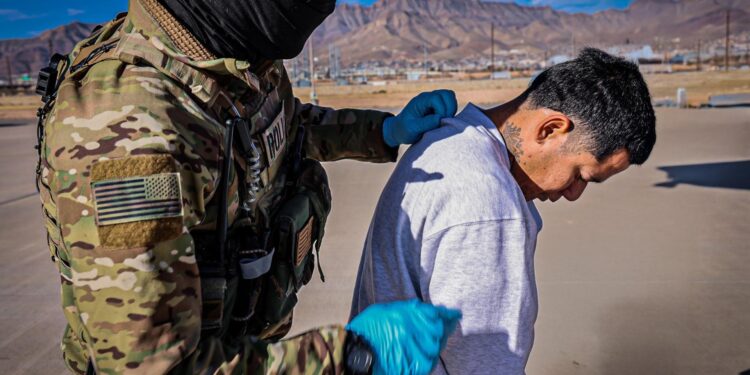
699, 86
646, 274
394, 94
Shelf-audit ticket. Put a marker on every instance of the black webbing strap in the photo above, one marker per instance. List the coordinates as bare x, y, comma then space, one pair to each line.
213, 266
90, 370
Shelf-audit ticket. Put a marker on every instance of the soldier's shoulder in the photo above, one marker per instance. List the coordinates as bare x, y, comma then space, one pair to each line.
113, 84
116, 108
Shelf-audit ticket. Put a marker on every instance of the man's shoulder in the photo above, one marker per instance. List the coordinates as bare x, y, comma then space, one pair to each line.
460, 175
456, 144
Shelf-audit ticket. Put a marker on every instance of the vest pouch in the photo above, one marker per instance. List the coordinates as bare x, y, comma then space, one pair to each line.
297, 228
254, 259
293, 260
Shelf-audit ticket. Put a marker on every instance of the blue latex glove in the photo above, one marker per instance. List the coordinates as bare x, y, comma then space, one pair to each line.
421, 114
405, 336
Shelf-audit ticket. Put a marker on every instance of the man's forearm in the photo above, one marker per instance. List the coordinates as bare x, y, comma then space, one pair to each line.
344, 134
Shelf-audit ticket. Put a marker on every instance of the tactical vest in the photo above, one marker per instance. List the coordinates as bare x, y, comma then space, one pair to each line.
251, 268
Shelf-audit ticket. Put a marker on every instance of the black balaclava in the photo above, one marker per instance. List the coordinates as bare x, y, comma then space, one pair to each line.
252, 30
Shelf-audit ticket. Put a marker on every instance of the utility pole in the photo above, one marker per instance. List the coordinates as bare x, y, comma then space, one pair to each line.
10, 70
293, 77
698, 68
313, 94
574, 46
424, 61
492, 50
726, 46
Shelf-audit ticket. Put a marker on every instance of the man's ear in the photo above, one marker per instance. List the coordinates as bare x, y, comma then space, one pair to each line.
553, 126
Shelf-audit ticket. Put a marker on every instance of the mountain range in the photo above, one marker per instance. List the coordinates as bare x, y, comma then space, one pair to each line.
31, 54
456, 29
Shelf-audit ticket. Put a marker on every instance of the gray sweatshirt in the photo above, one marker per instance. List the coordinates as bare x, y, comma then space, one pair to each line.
452, 228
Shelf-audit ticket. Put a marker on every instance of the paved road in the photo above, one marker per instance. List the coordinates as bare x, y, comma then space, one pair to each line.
647, 274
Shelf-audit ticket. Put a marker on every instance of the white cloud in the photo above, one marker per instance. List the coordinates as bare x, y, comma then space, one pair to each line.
17, 15
75, 12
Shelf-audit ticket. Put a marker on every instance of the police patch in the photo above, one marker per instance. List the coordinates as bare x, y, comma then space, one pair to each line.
137, 198
274, 138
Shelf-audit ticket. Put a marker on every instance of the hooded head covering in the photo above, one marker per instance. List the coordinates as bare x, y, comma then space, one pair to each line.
252, 30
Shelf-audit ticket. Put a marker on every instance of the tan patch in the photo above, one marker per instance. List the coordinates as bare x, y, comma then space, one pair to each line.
133, 167
140, 233
304, 241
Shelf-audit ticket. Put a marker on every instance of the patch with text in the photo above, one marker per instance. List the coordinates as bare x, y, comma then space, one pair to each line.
274, 138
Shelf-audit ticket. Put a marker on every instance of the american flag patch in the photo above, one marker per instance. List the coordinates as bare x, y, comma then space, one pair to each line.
137, 198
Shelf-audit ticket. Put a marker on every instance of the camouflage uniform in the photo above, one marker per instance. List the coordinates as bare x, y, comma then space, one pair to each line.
140, 107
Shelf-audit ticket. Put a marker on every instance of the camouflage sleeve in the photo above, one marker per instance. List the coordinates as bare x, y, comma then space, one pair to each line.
344, 133
319, 351
128, 164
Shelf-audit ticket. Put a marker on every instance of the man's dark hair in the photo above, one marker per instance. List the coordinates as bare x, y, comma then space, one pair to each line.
605, 97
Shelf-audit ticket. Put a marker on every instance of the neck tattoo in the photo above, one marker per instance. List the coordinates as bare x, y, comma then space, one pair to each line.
512, 135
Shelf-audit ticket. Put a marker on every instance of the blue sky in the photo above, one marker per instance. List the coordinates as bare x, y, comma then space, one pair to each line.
23, 19
26, 18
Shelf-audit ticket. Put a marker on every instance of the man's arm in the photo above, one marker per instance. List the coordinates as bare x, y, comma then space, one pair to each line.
400, 337
485, 270
344, 133
371, 135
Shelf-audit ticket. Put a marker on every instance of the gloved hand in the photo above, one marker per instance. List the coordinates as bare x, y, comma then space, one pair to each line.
421, 114
405, 336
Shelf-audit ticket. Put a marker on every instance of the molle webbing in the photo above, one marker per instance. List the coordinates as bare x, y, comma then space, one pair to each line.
182, 38
133, 47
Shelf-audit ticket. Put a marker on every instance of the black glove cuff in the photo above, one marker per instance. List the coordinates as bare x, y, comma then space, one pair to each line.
358, 356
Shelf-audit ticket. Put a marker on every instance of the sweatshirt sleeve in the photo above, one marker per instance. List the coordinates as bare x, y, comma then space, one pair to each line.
486, 270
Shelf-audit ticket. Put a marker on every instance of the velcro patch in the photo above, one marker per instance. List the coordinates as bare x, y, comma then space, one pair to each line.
304, 242
132, 199
274, 138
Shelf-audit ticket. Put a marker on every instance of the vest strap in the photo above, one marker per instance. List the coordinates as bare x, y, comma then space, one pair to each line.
134, 48
255, 268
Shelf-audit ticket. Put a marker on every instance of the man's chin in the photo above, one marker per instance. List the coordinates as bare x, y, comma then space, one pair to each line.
544, 197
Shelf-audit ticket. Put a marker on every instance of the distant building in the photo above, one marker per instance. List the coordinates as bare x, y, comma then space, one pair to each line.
655, 68
558, 59
501, 75
685, 58
634, 53
414, 76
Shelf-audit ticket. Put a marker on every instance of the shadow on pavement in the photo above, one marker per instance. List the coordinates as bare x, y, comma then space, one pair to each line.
731, 175
11, 123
